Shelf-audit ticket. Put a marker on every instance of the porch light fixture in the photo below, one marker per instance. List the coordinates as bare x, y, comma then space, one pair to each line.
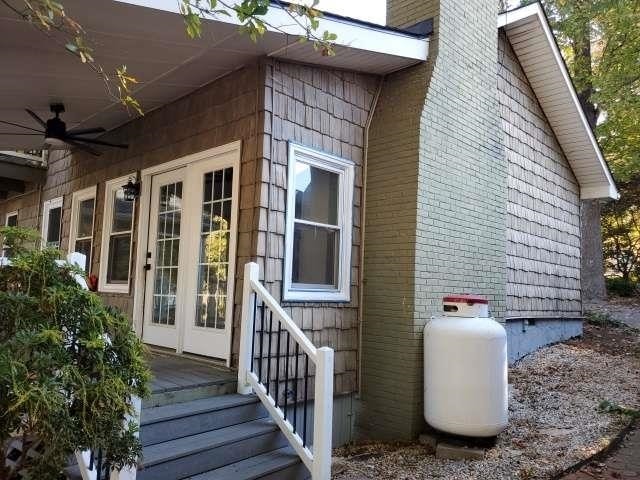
131, 190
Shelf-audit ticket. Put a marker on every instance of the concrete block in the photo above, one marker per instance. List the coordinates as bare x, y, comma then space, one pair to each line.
429, 440
457, 452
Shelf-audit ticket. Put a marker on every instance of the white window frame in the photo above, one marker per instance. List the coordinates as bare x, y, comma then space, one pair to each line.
3, 248
345, 169
79, 197
8, 216
47, 206
111, 187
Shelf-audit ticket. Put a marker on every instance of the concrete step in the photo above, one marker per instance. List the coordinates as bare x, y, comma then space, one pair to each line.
170, 422
280, 464
188, 456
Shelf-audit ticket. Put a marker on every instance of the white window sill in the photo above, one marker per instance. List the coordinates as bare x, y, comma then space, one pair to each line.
113, 288
315, 296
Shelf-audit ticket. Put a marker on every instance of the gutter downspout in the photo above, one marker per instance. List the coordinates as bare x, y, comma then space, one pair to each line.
363, 208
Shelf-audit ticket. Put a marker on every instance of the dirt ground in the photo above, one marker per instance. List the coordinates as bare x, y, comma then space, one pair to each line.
567, 402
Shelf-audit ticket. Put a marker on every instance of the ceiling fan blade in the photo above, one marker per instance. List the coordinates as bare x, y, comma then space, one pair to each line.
80, 146
96, 142
85, 131
36, 118
21, 126
10, 133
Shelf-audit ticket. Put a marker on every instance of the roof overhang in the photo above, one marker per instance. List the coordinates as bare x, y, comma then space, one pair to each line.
149, 37
18, 169
528, 31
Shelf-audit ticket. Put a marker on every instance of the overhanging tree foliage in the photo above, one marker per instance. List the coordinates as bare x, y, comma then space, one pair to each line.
69, 367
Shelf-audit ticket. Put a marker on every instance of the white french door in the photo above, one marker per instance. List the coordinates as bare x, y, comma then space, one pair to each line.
162, 296
188, 302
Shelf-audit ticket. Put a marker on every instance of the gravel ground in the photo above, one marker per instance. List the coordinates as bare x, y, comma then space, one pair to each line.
626, 310
554, 417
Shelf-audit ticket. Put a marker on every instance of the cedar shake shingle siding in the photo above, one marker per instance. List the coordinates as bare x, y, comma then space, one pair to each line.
325, 110
543, 213
265, 105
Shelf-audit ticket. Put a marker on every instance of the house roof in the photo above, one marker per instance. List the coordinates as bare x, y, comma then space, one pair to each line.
528, 31
149, 37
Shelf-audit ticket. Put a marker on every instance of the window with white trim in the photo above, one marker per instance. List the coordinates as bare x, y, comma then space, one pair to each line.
11, 219
117, 237
82, 217
319, 223
52, 223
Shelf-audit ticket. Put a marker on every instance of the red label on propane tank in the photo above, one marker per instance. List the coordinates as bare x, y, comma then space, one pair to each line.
468, 299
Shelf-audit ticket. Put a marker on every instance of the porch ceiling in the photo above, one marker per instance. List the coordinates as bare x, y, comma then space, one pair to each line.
149, 37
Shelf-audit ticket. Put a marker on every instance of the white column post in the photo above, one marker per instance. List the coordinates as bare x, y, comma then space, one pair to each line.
323, 415
129, 473
251, 274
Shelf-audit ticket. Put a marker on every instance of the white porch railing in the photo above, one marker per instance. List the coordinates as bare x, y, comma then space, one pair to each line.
256, 373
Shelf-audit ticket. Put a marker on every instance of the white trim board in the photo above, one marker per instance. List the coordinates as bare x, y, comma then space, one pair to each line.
111, 186
78, 197
47, 206
345, 169
9, 215
533, 42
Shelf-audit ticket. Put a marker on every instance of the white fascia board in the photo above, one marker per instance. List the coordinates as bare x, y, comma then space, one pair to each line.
534, 12
350, 34
599, 191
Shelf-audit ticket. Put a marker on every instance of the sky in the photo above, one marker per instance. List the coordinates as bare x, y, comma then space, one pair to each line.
369, 10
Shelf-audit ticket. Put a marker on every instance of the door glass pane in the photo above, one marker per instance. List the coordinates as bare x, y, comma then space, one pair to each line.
315, 256
167, 250
122, 213
118, 266
53, 227
211, 300
316, 194
85, 218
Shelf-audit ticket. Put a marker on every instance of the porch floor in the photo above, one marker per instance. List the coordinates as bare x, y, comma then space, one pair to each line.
173, 373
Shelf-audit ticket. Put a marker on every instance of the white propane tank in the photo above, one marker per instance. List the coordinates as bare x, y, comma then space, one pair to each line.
465, 369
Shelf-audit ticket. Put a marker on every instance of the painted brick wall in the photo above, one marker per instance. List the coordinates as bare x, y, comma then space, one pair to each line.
326, 110
543, 213
445, 180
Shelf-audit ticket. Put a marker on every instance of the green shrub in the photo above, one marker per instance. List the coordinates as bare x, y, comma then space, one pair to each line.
69, 367
621, 287
601, 319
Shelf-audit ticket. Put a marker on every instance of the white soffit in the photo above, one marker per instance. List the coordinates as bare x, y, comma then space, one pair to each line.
360, 46
530, 36
149, 37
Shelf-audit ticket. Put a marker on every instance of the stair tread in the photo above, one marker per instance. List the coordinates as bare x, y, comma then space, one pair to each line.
194, 407
181, 447
253, 467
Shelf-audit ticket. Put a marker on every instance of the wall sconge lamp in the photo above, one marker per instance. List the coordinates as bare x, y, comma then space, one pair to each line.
131, 190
